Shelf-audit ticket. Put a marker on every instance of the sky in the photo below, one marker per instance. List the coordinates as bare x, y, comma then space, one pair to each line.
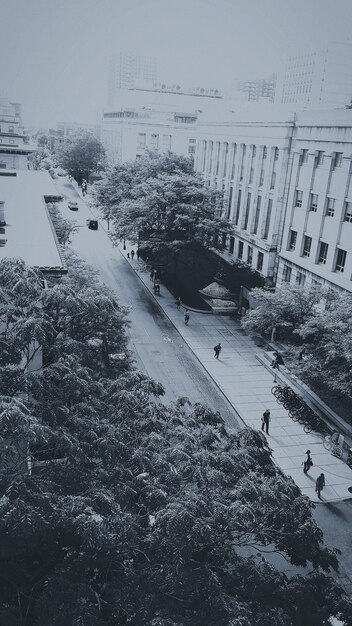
54, 53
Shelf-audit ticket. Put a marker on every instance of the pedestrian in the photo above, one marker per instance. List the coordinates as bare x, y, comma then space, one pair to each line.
138, 254
320, 484
128, 255
132, 254
217, 350
307, 463
178, 303
151, 275
277, 360
265, 421
186, 317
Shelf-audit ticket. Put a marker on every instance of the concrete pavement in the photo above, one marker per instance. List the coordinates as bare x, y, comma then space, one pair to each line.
247, 385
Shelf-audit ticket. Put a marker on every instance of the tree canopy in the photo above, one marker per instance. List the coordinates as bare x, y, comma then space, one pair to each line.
81, 155
135, 512
160, 199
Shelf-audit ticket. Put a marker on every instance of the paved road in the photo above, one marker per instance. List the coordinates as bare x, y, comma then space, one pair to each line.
162, 353
158, 348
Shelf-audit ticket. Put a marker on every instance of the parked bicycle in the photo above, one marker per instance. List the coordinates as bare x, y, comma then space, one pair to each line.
334, 443
297, 409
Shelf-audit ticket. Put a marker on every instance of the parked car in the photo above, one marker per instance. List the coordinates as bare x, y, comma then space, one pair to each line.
73, 206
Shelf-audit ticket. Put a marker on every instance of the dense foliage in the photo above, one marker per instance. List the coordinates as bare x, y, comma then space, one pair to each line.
134, 512
81, 155
316, 320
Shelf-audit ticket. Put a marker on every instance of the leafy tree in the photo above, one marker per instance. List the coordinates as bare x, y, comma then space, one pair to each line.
64, 228
161, 203
81, 155
135, 512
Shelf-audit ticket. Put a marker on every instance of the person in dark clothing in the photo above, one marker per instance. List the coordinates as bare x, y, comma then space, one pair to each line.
178, 303
186, 317
138, 254
265, 421
132, 254
217, 350
320, 484
277, 360
307, 463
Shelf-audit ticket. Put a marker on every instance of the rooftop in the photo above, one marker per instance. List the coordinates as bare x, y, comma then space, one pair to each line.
29, 233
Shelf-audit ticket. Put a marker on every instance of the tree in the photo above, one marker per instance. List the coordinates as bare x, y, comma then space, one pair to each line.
64, 228
135, 512
81, 155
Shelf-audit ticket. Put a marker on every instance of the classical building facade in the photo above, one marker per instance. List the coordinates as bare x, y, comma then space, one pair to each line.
14, 147
317, 238
248, 161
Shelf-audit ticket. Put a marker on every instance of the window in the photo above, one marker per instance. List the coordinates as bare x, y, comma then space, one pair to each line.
11, 129
154, 140
251, 175
265, 152
330, 207
267, 220
250, 255
167, 142
320, 158
300, 278
141, 140
229, 203
233, 161
276, 154
261, 180
286, 274
260, 259
248, 204
307, 246
273, 180
232, 245
304, 157
240, 249
191, 149
348, 212
313, 202
256, 217
12, 141
299, 198
337, 162
239, 197
292, 240
340, 260
190, 140
323, 253
226, 151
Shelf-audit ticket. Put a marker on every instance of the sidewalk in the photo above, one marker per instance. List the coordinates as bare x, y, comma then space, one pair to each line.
247, 385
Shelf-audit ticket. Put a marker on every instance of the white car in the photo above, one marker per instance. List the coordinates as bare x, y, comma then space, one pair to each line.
73, 206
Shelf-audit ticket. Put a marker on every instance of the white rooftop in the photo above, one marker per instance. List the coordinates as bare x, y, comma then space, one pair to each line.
28, 231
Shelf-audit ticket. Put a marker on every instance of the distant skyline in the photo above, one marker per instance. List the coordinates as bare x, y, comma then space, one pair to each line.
54, 54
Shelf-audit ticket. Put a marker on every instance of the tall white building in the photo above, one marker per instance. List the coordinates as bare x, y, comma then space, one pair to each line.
248, 159
126, 69
14, 147
162, 119
314, 79
317, 239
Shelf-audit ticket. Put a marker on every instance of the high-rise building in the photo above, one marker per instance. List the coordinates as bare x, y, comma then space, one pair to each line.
259, 88
317, 78
126, 69
14, 147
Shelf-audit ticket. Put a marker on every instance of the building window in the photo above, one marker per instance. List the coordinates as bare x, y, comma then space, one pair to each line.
256, 217
210, 156
337, 162
249, 255
323, 253
240, 249
300, 278
11, 129
265, 152
307, 246
217, 157
276, 154
304, 157
226, 151
233, 161
330, 207
348, 212
286, 274
248, 204
313, 202
267, 220
340, 260
191, 149
273, 180
154, 140
141, 140
292, 240
299, 198
167, 143
232, 245
260, 260
12, 141
261, 180
320, 158
251, 175
239, 198
229, 203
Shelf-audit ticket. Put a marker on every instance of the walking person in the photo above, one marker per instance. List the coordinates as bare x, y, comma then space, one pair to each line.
307, 463
186, 317
138, 254
151, 275
217, 350
320, 484
132, 254
178, 303
265, 420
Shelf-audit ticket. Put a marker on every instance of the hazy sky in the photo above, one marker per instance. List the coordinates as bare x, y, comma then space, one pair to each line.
54, 53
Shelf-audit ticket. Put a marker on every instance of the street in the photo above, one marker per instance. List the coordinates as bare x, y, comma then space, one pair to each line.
162, 353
